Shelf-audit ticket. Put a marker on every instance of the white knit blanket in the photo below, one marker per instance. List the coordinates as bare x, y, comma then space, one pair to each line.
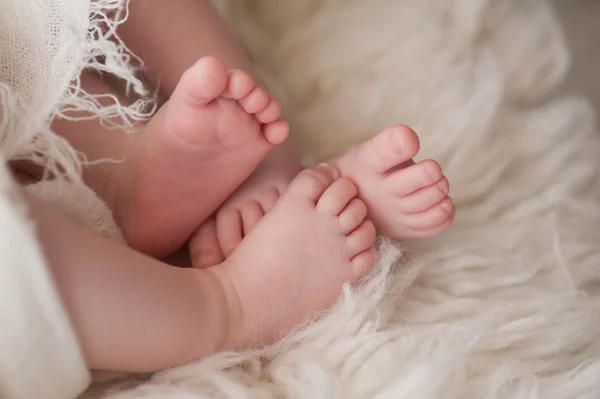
504, 305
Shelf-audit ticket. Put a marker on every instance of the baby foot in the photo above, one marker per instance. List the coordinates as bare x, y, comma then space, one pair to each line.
297, 258
201, 145
405, 200
218, 237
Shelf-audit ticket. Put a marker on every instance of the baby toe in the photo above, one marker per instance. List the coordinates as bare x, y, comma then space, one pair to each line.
337, 196
251, 213
202, 83
431, 218
276, 132
239, 84
424, 198
361, 239
270, 113
432, 232
204, 247
390, 148
363, 263
268, 199
352, 216
229, 229
311, 183
415, 177
255, 101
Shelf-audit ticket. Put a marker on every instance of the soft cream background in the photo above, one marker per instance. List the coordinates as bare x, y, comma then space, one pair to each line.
581, 19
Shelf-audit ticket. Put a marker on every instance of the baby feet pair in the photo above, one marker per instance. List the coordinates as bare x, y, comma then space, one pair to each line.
212, 134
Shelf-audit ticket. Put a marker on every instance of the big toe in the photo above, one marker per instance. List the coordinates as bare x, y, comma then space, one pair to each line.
393, 148
203, 82
311, 183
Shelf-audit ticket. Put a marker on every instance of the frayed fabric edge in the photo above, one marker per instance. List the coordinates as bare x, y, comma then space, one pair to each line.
100, 49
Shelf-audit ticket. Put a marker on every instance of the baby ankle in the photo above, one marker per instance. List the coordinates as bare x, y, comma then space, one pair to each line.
235, 333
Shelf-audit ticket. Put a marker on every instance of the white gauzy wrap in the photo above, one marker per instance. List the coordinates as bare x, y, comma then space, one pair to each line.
44, 44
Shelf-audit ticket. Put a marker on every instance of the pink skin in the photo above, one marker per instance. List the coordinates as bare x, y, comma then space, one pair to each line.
265, 288
216, 120
221, 121
320, 210
406, 200
223, 232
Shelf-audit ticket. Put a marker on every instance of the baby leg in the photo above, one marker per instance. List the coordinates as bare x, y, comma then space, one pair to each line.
134, 313
131, 312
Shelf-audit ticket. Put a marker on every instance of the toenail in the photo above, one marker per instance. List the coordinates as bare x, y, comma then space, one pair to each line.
443, 186
446, 208
398, 142
333, 169
434, 171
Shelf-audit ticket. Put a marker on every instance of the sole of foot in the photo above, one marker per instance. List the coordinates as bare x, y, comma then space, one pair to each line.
200, 146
